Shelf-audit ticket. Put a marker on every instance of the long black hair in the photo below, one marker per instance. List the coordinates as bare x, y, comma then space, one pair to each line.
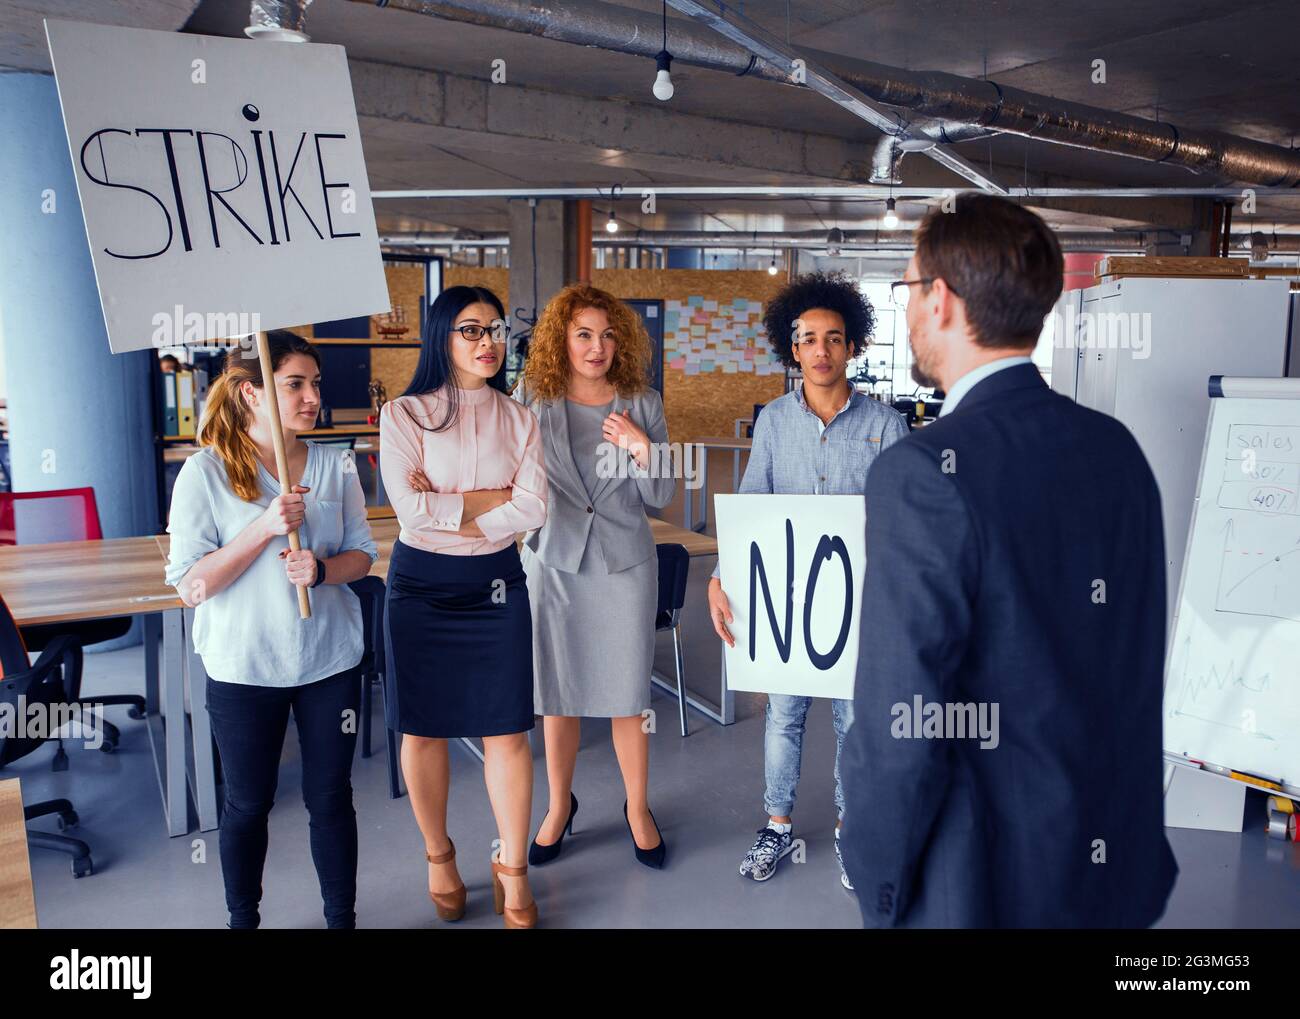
434, 372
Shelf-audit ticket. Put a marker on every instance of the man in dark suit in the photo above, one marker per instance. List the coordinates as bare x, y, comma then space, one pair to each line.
1004, 767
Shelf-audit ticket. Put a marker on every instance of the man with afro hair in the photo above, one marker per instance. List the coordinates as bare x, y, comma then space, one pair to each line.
819, 439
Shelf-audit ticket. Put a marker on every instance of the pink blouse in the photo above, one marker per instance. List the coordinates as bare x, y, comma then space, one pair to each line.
494, 443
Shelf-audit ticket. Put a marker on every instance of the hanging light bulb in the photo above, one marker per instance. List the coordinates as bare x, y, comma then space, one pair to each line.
611, 224
663, 86
890, 220
771, 269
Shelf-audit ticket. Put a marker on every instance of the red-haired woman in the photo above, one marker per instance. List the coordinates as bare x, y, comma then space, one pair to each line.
230, 561
592, 569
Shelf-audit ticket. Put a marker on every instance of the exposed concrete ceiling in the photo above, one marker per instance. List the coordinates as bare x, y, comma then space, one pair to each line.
571, 115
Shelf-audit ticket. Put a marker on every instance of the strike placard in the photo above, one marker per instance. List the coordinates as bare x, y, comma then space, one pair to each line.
222, 182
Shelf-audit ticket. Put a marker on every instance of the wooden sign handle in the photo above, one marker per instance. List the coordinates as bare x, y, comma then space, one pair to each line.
281, 456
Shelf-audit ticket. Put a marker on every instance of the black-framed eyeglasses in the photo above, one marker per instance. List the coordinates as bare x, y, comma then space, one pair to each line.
474, 332
900, 290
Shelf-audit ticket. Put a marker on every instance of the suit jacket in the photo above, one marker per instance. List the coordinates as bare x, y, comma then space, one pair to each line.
614, 514
1015, 559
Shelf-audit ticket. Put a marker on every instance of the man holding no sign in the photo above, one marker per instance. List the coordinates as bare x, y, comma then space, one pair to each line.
819, 439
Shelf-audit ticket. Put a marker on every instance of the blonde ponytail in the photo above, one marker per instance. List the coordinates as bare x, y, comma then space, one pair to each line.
227, 417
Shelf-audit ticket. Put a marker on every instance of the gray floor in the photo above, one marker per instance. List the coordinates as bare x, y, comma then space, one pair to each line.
706, 792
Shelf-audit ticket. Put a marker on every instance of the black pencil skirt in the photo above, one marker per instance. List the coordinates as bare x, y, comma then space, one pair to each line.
459, 642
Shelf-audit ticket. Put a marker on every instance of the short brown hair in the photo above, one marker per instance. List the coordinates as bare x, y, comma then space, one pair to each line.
1001, 259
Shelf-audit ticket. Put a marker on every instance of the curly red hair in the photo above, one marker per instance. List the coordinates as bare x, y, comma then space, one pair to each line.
546, 372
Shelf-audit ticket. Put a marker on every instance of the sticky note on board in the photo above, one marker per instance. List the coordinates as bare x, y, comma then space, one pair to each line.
677, 362
730, 368
692, 369
746, 366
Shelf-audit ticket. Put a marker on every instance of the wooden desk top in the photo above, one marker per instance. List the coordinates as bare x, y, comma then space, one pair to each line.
385, 530
17, 903
722, 442
72, 580
385, 533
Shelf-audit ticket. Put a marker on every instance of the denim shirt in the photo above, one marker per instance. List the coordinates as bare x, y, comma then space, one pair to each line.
794, 453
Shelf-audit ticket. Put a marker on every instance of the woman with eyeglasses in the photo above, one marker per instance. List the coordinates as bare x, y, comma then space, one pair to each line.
463, 467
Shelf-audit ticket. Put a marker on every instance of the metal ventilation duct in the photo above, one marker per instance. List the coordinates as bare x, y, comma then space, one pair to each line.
278, 20
932, 94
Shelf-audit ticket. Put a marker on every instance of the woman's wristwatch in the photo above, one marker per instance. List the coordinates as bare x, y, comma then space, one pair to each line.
320, 573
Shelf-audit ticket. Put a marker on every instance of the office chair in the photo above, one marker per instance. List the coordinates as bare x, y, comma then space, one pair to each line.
69, 514
674, 566
40, 684
371, 592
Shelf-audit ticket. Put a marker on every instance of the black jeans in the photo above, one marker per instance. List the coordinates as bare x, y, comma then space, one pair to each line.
249, 724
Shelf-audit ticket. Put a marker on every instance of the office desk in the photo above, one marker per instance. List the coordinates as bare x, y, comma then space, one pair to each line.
17, 903
71, 581
736, 445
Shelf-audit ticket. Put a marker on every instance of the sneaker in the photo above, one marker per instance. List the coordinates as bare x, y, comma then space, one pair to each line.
839, 858
761, 860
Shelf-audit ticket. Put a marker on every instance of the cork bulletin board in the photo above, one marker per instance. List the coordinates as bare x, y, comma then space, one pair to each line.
712, 327
717, 361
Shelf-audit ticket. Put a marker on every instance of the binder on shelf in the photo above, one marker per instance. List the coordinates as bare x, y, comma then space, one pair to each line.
185, 404
167, 403
200, 395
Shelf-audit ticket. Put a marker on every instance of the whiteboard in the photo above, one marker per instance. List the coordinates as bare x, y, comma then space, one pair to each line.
1232, 673
222, 182
792, 568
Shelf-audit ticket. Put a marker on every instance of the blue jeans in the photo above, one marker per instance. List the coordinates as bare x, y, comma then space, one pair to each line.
783, 749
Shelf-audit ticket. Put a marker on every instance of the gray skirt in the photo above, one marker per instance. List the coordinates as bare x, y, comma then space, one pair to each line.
593, 637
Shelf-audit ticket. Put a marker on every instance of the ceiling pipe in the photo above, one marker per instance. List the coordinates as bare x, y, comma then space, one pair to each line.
900, 240
919, 136
278, 20
932, 94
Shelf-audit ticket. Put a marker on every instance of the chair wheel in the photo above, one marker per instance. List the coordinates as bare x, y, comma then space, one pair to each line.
68, 820
108, 747
82, 868
134, 712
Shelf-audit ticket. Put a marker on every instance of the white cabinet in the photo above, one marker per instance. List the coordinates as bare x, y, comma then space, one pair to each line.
1144, 351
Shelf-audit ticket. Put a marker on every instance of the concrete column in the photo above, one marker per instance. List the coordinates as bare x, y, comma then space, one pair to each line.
78, 415
551, 227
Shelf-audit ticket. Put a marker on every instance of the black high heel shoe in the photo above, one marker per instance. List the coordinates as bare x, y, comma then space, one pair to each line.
538, 853
650, 857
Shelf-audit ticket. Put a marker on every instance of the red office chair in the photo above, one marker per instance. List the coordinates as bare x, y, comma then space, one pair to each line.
69, 514
37, 518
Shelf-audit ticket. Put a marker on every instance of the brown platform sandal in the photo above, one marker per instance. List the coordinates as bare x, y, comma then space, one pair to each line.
514, 918
450, 905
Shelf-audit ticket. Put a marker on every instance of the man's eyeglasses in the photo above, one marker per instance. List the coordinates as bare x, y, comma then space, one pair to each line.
900, 290
474, 332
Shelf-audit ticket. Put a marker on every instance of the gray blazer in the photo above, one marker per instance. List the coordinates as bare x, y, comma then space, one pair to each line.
615, 514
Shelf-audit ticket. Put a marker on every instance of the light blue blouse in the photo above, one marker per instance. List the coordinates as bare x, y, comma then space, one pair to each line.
251, 633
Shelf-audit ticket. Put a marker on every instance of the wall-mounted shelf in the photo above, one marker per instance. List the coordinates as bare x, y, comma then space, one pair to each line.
364, 343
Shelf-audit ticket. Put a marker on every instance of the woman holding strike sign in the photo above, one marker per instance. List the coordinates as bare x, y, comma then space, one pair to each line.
230, 560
